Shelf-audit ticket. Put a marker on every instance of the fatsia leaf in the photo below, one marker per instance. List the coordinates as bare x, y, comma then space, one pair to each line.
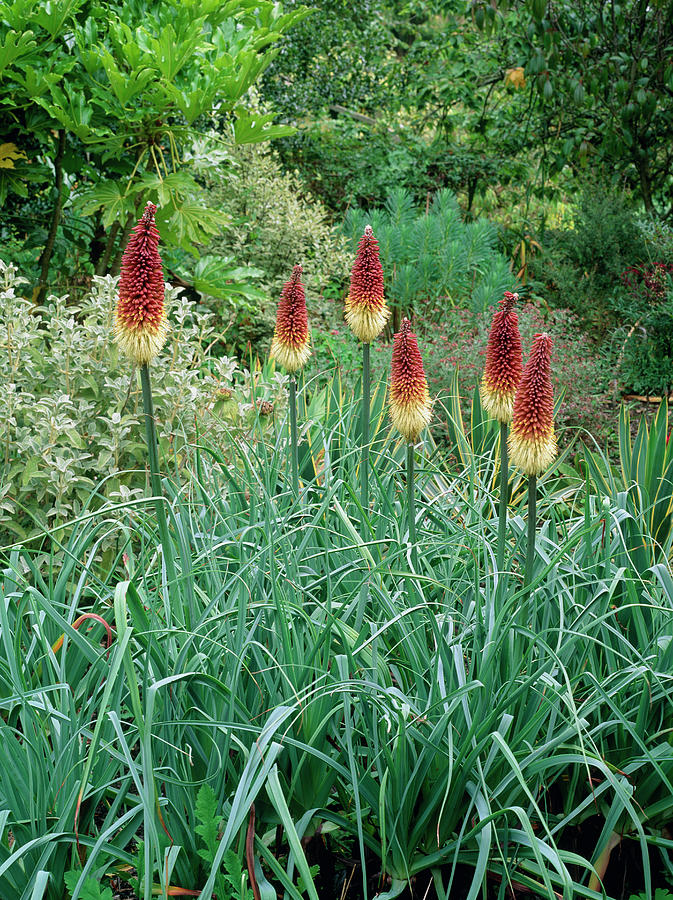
53, 16
191, 223
215, 276
8, 154
14, 47
111, 197
124, 84
195, 102
251, 129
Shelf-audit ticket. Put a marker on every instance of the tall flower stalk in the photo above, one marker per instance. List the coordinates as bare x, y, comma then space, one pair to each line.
291, 349
410, 409
140, 331
366, 314
532, 441
502, 373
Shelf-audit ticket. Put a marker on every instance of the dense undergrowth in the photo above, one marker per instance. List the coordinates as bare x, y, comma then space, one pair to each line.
428, 728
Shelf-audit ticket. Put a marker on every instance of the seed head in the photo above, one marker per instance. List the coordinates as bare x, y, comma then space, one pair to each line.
504, 362
532, 440
366, 310
140, 326
410, 407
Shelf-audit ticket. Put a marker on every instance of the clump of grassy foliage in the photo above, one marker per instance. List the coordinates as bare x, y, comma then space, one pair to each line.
467, 726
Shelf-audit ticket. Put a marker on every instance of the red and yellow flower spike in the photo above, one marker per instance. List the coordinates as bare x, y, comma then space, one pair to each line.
290, 346
366, 310
532, 440
140, 326
410, 406
504, 361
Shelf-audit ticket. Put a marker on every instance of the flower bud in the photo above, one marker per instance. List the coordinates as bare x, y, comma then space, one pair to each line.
140, 326
410, 407
532, 441
366, 310
290, 345
504, 362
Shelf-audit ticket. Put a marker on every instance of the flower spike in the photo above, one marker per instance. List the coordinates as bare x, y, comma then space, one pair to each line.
410, 406
504, 363
290, 346
140, 326
366, 310
532, 440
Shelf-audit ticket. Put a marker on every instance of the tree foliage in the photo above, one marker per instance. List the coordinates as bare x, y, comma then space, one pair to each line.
602, 73
103, 100
401, 94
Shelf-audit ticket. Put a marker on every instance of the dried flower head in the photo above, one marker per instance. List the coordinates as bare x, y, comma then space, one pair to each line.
410, 407
366, 310
140, 325
504, 362
532, 441
290, 345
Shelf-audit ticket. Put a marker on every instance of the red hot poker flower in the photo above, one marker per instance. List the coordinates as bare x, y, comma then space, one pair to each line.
504, 362
366, 310
410, 407
532, 440
140, 325
290, 345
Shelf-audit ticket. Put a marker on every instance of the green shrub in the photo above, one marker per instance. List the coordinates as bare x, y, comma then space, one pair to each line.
431, 258
658, 238
348, 163
647, 361
72, 414
581, 266
275, 225
101, 103
645, 337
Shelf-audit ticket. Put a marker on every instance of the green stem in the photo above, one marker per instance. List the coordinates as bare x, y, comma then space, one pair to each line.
366, 400
293, 436
411, 504
504, 497
155, 477
530, 549
364, 477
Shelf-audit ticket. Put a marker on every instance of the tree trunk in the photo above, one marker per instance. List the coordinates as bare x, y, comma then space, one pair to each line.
115, 265
471, 190
104, 259
643, 166
47, 253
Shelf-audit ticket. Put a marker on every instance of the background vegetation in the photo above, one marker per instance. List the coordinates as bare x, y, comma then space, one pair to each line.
307, 702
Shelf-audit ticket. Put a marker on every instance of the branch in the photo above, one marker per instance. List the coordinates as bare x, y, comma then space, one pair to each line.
361, 117
47, 252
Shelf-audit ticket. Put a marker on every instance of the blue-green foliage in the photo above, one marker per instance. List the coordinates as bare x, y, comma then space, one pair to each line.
431, 257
